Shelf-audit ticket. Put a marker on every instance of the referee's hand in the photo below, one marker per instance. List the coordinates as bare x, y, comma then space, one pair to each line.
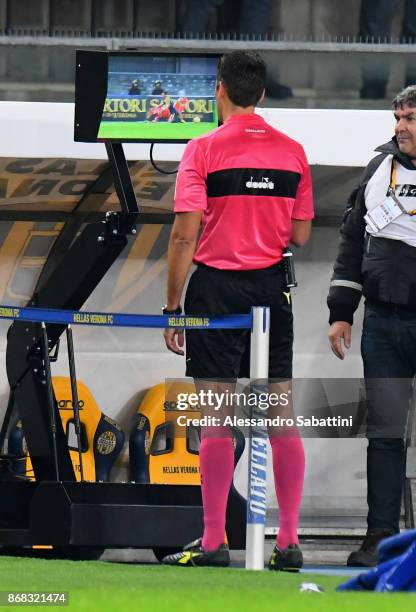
174, 339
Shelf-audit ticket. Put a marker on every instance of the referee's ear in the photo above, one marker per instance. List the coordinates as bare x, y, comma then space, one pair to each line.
262, 97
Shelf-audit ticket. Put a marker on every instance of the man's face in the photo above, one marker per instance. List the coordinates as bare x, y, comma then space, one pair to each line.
405, 129
219, 96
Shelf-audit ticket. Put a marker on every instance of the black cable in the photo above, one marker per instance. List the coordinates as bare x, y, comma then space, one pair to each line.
157, 167
74, 392
50, 398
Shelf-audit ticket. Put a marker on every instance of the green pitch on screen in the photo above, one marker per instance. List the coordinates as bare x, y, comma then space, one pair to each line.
128, 130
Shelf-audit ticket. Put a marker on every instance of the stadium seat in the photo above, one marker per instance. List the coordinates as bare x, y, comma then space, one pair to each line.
101, 438
160, 451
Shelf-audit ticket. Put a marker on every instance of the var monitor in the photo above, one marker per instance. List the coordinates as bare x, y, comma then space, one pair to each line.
142, 97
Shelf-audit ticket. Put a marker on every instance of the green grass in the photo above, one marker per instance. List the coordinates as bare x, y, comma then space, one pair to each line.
101, 587
125, 130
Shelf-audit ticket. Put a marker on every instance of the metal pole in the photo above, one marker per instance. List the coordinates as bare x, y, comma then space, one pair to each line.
74, 390
51, 402
122, 179
257, 458
6, 420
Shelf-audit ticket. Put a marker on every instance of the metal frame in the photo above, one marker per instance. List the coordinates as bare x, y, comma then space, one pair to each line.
56, 509
67, 284
160, 41
208, 42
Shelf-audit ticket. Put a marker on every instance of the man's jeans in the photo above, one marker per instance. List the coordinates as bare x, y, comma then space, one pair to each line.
376, 17
254, 16
388, 348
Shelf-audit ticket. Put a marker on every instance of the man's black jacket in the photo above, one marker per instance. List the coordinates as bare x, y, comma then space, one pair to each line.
381, 269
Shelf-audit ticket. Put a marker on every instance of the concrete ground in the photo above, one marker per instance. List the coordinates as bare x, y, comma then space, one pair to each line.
315, 552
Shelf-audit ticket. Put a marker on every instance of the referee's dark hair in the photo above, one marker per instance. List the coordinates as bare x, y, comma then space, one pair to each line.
243, 74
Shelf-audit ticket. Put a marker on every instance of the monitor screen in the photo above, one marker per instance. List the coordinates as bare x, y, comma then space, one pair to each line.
143, 97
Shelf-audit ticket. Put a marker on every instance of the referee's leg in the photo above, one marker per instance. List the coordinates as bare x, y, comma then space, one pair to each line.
287, 447
212, 359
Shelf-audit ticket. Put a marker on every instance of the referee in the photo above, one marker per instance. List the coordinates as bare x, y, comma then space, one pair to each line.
249, 186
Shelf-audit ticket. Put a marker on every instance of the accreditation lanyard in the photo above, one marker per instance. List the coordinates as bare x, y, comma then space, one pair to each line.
392, 190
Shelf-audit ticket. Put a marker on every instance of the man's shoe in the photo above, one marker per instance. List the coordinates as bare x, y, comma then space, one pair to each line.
367, 555
288, 560
194, 554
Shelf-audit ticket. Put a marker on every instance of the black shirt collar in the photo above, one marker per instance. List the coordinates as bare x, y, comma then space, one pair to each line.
392, 148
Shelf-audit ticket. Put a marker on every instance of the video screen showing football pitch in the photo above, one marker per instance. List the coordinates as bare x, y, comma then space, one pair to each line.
161, 98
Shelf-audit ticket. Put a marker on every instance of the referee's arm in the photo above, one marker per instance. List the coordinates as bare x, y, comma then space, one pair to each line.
302, 212
190, 203
181, 250
301, 231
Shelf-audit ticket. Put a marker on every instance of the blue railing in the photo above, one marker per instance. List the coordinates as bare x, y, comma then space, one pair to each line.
113, 319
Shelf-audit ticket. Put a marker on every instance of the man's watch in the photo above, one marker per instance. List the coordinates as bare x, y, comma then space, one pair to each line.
177, 311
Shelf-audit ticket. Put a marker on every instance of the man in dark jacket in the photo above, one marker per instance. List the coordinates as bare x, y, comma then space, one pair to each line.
377, 258
158, 89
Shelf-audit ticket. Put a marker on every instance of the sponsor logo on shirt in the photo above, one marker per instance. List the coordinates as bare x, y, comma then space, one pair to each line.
406, 191
265, 183
254, 131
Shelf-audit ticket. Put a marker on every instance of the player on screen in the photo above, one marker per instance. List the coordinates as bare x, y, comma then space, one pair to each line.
161, 112
179, 107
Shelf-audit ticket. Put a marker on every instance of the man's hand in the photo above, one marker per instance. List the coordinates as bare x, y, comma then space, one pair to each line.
174, 339
181, 249
339, 333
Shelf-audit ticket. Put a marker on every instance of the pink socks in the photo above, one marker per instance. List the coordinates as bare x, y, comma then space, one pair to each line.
288, 468
217, 468
216, 457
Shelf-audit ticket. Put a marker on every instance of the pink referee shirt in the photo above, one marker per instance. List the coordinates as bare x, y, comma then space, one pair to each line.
251, 181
